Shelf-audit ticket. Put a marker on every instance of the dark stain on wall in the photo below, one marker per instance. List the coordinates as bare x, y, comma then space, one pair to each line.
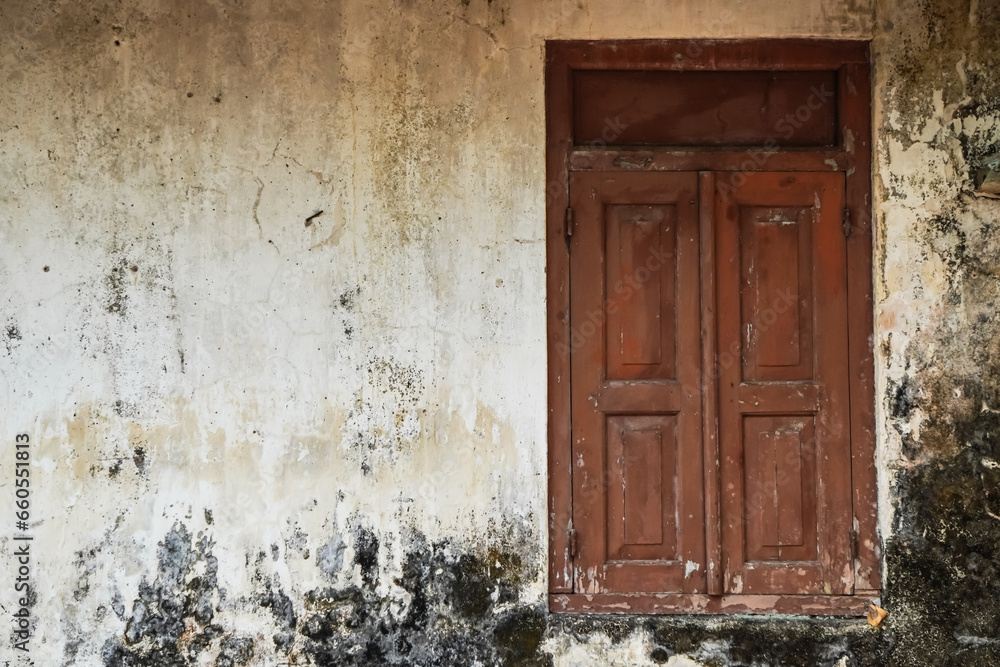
394, 383
117, 284
942, 571
463, 610
11, 337
740, 641
457, 612
172, 619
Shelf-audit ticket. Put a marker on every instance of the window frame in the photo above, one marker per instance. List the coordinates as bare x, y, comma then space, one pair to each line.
852, 156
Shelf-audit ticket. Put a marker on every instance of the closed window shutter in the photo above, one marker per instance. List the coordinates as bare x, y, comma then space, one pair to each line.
638, 503
780, 312
783, 385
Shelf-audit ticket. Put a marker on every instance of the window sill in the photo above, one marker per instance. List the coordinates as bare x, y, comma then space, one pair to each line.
679, 603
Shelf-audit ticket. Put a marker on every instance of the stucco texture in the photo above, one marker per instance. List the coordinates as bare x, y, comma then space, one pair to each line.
273, 316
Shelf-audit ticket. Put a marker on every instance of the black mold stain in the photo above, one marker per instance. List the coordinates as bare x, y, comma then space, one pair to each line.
347, 298
126, 409
117, 284
739, 641
462, 610
942, 570
273, 598
901, 399
12, 336
900, 403
139, 459
395, 383
451, 618
942, 561
172, 620
234, 651
366, 555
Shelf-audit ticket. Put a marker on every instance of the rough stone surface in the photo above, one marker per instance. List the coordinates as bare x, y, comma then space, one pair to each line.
273, 317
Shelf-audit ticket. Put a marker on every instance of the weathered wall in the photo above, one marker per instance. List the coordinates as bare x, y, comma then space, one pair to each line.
938, 337
262, 438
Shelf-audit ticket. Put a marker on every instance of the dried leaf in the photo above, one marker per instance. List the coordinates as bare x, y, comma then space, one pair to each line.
875, 615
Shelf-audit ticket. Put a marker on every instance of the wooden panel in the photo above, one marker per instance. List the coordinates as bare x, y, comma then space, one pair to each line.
775, 302
855, 114
778, 397
689, 54
776, 267
768, 158
710, 397
704, 108
558, 111
645, 495
640, 291
621, 396
679, 603
642, 488
780, 488
638, 499
782, 428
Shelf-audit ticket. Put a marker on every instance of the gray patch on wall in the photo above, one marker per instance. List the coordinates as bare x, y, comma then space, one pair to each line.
463, 610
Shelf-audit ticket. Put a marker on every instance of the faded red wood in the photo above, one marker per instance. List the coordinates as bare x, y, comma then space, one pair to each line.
667, 603
704, 108
776, 265
792, 476
780, 478
774, 301
621, 396
855, 114
709, 400
635, 237
689, 54
640, 303
647, 486
557, 148
851, 157
813, 399
769, 158
642, 460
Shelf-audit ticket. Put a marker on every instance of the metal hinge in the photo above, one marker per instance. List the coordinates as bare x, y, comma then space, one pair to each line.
569, 221
854, 545
574, 543
846, 223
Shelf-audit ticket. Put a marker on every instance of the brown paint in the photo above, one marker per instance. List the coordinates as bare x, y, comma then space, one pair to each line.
634, 274
703, 108
648, 409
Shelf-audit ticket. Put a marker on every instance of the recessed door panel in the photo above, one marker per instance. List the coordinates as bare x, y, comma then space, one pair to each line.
640, 291
776, 267
780, 488
642, 488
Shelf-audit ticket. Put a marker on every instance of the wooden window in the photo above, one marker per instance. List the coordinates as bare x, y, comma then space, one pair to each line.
710, 363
